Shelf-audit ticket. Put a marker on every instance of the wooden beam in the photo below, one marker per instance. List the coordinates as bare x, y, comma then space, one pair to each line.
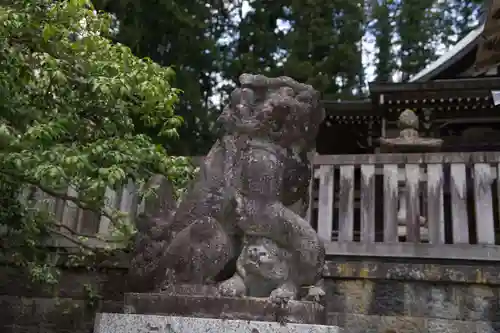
432, 158
442, 97
446, 106
483, 83
351, 108
414, 250
365, 104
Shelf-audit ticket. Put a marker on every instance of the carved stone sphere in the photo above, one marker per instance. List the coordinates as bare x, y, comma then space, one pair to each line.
408, 119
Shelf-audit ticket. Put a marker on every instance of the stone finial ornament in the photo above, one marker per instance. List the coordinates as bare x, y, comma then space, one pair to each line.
238, 210
408, 120
409, 140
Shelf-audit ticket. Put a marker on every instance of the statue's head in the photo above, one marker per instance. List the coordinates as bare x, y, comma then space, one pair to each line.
286, 111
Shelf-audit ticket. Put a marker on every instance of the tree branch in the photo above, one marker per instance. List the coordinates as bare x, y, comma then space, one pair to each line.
71, 239
64, 196
77, 234
61, 195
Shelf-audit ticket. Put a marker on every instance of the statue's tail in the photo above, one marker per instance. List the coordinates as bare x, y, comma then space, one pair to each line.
153, 225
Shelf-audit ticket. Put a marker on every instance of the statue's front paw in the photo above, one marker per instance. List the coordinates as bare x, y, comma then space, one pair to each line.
315, 294
282, 295
233, 287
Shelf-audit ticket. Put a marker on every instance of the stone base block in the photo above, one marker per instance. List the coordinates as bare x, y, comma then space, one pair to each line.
191, 290
203, 302
133, 323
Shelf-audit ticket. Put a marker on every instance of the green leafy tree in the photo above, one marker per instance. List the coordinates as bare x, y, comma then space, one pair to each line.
258, 39
71, 99
458, 18
425, 27
383, 30
324, 45
417, 27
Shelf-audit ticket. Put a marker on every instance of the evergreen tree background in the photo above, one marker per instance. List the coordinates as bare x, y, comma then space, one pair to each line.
336, 45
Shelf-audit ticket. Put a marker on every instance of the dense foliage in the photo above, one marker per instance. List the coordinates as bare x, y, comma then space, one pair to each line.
71, 100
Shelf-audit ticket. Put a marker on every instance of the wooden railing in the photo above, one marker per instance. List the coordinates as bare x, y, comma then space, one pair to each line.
97, 228
77, 223
437, 205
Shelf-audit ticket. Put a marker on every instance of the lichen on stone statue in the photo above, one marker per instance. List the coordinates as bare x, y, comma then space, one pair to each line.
238, 210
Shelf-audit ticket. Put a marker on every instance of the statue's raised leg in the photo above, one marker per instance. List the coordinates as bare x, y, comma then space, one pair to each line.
198, 253
201, 238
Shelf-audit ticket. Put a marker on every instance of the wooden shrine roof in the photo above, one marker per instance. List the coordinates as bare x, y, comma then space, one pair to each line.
451, 98
454, 62
348, 108
458, 93
351, 112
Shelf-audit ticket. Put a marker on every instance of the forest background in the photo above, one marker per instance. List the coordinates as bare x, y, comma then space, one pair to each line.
336, 45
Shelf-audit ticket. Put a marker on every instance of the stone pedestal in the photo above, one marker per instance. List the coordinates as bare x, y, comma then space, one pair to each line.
199, 309
204, 302
133, 323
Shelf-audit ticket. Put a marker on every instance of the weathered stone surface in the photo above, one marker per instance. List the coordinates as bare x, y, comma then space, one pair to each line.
392, 298
61, 313
455, 292
240, 207
63, 308
462, 272
22, 329
191, 290
108, 306
356, 323
111, 284
225, 307
129, 323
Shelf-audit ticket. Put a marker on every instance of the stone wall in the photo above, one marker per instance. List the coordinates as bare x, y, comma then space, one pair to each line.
384, 296
368, 296
68, 307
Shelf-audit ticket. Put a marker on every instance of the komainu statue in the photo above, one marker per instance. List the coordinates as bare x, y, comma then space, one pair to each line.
249, 202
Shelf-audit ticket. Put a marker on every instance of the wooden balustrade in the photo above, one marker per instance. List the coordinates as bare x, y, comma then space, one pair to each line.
92, 224
451, 207
451, 204
96, 227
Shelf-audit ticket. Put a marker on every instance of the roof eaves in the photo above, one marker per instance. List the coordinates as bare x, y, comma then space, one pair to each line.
450, 57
